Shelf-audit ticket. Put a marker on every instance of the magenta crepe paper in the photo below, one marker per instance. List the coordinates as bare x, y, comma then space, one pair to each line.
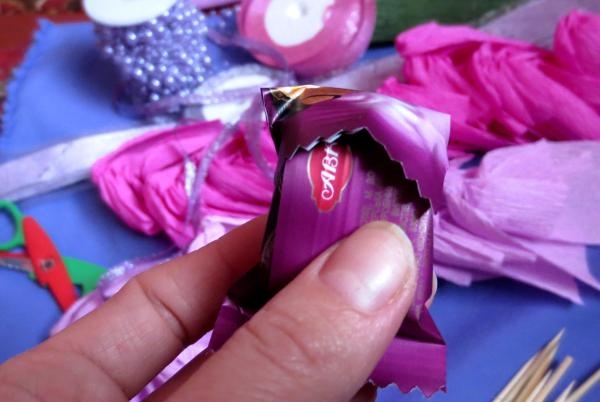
577, 50
501, 91
144, 181
577, 43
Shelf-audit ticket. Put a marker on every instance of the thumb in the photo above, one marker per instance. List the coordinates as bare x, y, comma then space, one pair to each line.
321, 336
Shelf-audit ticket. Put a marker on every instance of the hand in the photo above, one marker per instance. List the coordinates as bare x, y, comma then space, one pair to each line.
316, 340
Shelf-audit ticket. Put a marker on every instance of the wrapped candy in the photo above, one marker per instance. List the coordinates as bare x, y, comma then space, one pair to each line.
347, 158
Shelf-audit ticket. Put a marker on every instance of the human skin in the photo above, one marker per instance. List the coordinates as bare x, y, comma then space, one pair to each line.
316, 340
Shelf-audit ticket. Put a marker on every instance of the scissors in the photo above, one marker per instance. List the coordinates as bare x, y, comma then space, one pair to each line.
43, 262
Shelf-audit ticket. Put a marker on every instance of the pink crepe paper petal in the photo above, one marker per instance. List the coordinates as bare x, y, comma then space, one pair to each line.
122, 176
577, 49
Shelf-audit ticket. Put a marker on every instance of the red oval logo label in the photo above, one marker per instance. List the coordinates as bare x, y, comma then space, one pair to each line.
329, 170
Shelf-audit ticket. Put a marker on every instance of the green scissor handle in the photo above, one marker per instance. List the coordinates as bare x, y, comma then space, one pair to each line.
83, 273
15, 214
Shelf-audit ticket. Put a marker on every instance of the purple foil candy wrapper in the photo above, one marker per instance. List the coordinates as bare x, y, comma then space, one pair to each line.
347, 158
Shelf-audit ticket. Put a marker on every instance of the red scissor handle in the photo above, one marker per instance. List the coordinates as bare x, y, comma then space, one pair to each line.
48, 265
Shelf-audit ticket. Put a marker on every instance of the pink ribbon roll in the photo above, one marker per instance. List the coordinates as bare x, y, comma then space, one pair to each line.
314, 37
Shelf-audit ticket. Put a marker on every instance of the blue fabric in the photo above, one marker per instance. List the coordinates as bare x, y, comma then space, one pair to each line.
64, 90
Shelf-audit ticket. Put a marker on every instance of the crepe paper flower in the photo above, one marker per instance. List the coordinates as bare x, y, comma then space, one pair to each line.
147, 181
502, 91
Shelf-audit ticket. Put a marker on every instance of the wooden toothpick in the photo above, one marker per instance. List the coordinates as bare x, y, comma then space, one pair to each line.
543, 363
554, 379
565, 394
517, 381
516, 384
538, 388
585, 387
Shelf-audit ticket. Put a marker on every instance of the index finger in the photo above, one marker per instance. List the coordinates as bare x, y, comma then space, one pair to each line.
142, 328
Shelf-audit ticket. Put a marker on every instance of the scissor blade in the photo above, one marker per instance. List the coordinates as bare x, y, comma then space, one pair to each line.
16, 261
48, 265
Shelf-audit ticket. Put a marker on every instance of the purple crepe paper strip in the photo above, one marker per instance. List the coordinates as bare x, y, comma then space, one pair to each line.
527, 212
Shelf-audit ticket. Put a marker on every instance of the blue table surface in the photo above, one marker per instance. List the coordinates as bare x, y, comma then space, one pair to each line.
491, 328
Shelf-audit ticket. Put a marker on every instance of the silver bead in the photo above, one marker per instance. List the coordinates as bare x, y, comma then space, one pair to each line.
131, 38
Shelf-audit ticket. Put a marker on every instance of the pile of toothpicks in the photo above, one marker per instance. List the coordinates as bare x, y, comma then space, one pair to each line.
535, 381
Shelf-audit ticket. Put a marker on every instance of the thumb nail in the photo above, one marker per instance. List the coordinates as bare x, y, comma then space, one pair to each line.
370, 266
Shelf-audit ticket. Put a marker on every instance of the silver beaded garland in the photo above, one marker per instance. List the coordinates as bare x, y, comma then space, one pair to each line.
164, 57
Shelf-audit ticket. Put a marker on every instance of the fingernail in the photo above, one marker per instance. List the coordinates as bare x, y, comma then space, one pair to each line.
370, 266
